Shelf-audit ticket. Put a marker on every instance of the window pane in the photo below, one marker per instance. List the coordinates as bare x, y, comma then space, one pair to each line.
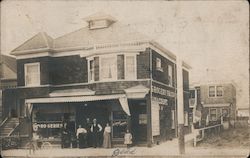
32, 74
219, 91
211, 91
130, 67
158, 63
91, 70
108, 67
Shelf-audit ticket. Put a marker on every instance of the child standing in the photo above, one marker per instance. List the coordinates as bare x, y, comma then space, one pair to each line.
128, 138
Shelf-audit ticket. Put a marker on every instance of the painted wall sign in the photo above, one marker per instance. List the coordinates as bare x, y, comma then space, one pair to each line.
160, 100
36, 126
163, 91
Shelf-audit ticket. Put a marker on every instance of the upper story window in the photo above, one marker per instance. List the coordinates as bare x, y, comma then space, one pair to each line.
170, 75
211, 91
91, 70
219, 91
158, 64
32, 74
108, 67
130, 67
215, 91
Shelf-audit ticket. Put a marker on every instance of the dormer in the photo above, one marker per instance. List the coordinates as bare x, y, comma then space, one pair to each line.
99, 21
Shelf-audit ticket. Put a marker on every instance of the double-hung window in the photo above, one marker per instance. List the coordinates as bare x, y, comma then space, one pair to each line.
108, 67
32, 74
130, 67
219, 91
215, 91
211, 91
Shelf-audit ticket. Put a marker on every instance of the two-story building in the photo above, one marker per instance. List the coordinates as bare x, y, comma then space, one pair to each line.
214, 102
106, 71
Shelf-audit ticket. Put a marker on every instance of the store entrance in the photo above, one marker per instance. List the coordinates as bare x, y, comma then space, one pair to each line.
138, 121
91, 110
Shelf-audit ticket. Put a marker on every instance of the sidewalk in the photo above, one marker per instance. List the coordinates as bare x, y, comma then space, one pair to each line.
169, 148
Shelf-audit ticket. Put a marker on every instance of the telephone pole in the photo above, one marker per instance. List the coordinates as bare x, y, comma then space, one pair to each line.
180, 106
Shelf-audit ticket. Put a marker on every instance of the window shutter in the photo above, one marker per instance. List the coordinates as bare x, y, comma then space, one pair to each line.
96, 63
120, 67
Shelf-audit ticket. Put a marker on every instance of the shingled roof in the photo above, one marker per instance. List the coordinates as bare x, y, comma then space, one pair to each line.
84, 37
116, 33
9, 61
39, 41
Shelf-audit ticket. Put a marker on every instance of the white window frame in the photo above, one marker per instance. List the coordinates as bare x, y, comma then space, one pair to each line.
221, 92
215, 91
215, 113
209, 91
100, 68
89, 77
39, 74
158, 64
125, 66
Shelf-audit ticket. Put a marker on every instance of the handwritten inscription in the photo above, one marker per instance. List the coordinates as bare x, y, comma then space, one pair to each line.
128, 151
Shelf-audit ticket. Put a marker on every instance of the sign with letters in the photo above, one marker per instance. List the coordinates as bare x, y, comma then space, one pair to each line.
46, 125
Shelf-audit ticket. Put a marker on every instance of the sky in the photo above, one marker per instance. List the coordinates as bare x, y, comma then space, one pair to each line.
212, 36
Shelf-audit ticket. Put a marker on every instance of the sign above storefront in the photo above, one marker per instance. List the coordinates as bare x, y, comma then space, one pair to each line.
162, 91
36, 126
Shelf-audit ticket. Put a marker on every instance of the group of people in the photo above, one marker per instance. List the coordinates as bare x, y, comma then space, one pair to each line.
90, 136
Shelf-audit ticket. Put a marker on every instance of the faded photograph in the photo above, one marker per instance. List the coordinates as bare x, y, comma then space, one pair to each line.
124, 79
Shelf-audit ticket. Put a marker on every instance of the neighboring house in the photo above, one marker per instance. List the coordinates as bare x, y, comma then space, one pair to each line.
8, 80
213, 101
106, 71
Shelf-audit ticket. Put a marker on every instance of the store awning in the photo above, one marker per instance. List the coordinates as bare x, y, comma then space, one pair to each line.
216, 105
71, 92
122, 99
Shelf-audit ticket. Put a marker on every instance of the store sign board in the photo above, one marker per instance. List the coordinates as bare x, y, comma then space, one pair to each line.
162, 91
46, 125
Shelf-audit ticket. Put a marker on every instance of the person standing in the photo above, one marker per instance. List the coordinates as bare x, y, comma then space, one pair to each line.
96, 129
81, 136
128, 139
107, 137
89, 138
65, 136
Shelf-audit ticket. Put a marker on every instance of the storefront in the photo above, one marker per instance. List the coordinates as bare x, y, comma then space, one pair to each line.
49, 115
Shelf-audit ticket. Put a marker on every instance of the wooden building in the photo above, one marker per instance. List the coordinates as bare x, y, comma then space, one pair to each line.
106, 71
213, 102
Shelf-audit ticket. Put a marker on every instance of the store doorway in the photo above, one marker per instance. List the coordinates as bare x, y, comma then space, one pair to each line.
138, 121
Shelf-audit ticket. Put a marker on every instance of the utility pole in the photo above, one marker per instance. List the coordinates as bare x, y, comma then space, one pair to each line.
180, 106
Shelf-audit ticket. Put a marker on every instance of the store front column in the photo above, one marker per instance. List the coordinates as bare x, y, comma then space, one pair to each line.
149, 121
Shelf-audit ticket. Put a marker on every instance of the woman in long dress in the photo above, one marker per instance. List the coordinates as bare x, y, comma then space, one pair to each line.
107, 137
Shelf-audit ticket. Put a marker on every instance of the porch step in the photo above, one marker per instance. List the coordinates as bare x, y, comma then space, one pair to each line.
8, 126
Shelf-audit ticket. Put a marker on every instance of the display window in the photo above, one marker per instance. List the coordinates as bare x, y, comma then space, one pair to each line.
119, 124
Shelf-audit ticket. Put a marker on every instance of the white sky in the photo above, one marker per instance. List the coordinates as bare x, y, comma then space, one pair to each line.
212, 36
